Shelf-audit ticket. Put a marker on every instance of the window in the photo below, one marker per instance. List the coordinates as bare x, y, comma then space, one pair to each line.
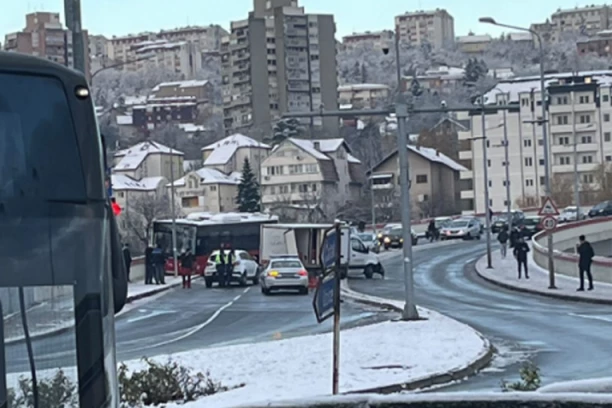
606, 117
528, 161
605, 98
421, 178
562, 120
524, 101
587, 178
488, 144
587, 159
608, 158
563, 160
587, 139
295, 169
490, 183
527, 143
189, 202
28, 162
585, 118
529, 182
540, 142
504, 183
541, 161
213, 188
607, 136
542, 180
563, 140
489, 163
562, 100
584, 99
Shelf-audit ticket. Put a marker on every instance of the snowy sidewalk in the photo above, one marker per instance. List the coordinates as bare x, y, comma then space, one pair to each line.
57, 315
504, 273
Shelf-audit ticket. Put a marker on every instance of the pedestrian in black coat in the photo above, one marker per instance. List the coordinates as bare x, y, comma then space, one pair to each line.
502, 237
521, 249
127, 258
149, 266
585, 254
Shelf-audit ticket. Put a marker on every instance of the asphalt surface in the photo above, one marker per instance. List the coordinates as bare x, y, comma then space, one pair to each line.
567, 340
181, 320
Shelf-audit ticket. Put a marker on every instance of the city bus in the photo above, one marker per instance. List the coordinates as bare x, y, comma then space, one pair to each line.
205, 232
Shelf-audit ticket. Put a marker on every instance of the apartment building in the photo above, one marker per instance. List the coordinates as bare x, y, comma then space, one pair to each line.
45, 36
587, 20
600, 44
378, 39
434, 177
361, 96
183, 57
200, 90
227, 155
279, 60
473, 44
149, 159
301, 176
207, 39
206, 190
579, 124
130, 192
434, 27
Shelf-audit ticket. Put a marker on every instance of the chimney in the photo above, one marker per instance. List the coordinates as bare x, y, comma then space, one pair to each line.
437, 152
317, 145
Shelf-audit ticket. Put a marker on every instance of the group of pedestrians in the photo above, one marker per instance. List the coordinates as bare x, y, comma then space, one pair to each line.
155, 262
224, 262
520, 249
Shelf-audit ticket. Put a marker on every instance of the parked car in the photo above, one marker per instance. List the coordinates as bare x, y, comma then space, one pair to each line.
571, 213
463, 228
386, 229
531, 225
602, 209
501, 221
245, 269
284, 274
370, 240
439, 222
395, 238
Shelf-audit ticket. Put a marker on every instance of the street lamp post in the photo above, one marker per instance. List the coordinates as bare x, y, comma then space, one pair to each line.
373, 203
489, 20
485, 172
507, 165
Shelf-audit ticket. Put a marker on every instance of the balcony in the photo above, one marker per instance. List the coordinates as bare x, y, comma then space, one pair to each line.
467, 194
581, 148
466, 175
465, 155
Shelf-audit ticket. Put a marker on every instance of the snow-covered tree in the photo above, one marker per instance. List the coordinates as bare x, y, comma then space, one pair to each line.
249, 196
139, 216
284, 129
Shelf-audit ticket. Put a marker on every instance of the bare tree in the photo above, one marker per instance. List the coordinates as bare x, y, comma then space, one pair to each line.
141, 213
603, 178
562, 189
526, 201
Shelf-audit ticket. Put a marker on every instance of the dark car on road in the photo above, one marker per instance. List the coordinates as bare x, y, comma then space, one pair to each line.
602, 209
501, 221
394, 238
531, 226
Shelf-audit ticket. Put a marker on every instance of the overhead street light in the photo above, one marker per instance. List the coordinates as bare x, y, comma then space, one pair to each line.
490, 20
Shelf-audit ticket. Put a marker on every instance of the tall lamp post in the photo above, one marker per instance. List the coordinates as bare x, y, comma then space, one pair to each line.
489, 20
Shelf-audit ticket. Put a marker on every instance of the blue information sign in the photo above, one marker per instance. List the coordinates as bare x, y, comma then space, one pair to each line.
328, 250
323, 301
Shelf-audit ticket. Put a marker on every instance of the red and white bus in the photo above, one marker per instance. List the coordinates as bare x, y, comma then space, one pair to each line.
205, 232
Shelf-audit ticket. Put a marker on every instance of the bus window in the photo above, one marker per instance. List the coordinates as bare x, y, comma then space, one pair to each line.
32, 109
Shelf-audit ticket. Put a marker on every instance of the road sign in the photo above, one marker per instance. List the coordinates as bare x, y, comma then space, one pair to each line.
327, 253
323, 302
549, 222
548, 208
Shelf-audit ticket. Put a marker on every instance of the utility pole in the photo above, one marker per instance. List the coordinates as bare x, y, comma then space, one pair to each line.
373, 203
72, 12
173, 209
575, 158
486, 181
507, 165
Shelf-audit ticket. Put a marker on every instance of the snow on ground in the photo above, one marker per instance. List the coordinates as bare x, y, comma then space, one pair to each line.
375, 355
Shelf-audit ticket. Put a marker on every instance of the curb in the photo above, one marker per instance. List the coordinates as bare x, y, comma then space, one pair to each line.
551, 294
67, 327
483, 360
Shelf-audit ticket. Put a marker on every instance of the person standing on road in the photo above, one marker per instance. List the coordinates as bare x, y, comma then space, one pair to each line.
186, 268
159, 261
220, 265
229, 266
521, 249
127, 257
502, 237
585, 254
149, 266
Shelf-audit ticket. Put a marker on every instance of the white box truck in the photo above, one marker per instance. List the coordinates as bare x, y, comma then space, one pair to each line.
304, 241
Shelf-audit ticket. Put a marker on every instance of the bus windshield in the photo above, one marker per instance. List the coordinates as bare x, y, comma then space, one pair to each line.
162, 237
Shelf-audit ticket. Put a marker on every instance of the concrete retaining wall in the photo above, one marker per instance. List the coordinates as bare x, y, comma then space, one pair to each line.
565, 237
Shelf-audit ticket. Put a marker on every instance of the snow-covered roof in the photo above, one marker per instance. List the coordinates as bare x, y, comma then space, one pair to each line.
123, 182
470, 39
443, 72
437, 157
125, 120
191, 128
133, 157
161, 46
208, 175
165, 104
520, 36
309, 148
224, 149
134, 100
181, 84
353, 159
362, 87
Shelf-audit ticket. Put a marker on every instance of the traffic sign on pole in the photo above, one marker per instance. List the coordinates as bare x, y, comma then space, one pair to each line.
548, 207
323, 302
327, 254
549, 223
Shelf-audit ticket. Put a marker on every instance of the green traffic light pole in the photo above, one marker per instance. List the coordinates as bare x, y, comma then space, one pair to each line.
402, 112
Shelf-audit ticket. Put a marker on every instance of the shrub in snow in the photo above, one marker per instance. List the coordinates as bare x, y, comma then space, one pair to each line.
530, 379
161, 383
58, 392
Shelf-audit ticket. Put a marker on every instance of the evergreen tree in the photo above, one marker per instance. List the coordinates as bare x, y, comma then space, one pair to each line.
248, 199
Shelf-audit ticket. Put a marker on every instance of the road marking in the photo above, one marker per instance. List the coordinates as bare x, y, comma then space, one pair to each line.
150, 315
199, 327
592, 317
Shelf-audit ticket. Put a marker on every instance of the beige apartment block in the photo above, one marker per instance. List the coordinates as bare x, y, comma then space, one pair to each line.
434, 27
206, 190
377, 39
149, 159
227, 155
362, 96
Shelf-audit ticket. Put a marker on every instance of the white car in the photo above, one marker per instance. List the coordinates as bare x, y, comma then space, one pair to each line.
463, 228
571, 213
245, 269
284, 273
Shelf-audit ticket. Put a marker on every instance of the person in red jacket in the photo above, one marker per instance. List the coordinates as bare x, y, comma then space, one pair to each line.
116, 208
187, 261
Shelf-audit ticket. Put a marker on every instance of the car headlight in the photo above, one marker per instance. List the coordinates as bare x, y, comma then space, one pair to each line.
387, 240
379, 235
401, 239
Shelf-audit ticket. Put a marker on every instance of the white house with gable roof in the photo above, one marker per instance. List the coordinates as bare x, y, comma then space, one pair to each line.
227, 155
149, 159
310, 176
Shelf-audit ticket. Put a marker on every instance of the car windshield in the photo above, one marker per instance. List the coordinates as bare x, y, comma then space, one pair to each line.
396, 232
570, 210
602, 205
366, 237
531, 221
285, 263
459, 224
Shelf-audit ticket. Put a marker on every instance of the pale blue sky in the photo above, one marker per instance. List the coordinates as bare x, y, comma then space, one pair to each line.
120, 17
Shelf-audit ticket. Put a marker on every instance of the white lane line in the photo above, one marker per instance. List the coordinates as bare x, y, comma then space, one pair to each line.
592, 317
199, 327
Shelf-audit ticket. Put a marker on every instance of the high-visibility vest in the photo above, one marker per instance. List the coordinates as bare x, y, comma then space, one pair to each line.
219, 259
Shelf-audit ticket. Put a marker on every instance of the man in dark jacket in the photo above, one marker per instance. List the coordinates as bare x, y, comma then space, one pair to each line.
521, 249
220, 265
187, 268
502, 237
159, 260
127, 258
229, 267
149, 266
585, 254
